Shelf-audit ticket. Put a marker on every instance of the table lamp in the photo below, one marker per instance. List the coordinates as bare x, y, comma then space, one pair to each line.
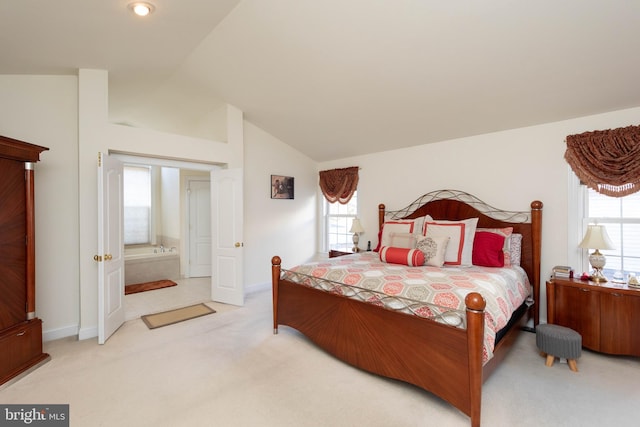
356, 229
596, 238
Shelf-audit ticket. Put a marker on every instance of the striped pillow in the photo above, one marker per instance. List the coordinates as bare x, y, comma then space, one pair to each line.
406, 256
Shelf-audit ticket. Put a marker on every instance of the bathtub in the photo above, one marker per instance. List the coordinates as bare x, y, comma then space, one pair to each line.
149, 263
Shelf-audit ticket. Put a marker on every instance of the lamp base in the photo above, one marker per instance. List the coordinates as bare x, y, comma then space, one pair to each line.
597, 261
597, 276
356, 240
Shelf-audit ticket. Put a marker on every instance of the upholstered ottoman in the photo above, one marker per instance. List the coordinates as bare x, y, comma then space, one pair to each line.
559, 341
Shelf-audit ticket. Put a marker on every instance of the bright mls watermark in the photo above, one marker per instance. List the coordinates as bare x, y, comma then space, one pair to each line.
34, 415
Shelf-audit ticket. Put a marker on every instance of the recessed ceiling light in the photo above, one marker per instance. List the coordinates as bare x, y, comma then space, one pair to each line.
141, 8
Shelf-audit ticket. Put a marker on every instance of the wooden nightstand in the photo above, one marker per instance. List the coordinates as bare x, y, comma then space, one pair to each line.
333, 253
607, 315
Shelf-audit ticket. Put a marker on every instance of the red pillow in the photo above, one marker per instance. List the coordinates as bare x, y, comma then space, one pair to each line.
377, 249
406, 256
487, 249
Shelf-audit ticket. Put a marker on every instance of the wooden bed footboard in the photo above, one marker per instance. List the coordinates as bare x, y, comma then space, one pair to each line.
442, 359
445, 360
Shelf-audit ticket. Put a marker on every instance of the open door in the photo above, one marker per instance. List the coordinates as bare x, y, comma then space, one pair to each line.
110, 258
227, 246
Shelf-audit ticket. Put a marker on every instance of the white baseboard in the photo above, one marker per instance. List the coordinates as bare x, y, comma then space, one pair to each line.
87, 333
56, 334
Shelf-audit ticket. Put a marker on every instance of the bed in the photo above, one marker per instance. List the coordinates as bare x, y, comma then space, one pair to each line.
443, 351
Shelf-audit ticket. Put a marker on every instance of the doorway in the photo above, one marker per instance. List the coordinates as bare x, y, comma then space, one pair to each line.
226, 247
180, 203
188, 292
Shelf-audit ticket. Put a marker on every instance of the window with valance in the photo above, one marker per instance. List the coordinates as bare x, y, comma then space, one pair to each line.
338, 185
607, 161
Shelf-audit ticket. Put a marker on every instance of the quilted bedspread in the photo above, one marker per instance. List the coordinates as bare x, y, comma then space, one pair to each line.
423, 290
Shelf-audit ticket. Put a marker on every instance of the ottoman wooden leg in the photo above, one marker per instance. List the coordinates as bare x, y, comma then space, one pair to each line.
573, 365
550, 359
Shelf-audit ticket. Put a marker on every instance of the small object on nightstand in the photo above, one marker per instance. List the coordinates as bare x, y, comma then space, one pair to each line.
562, 272
618, 277
633, 281
597, 238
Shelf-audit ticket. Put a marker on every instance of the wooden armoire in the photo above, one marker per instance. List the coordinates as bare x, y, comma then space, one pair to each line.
20, 329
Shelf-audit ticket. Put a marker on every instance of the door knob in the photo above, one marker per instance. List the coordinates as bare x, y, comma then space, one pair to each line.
97, 258
238, 244
108, 257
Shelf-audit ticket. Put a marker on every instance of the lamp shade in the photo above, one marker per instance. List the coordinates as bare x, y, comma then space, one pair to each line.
356, 227
596, 237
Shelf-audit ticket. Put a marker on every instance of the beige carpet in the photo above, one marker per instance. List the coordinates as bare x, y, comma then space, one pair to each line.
158, 320
229, 370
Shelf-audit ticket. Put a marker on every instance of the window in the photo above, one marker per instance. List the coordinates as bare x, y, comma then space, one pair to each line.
338, 219
621, 218
137, 204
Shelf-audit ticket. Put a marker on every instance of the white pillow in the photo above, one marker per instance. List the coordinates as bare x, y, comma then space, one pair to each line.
419, 223
433, 248
460, 247
393, 227
403, 240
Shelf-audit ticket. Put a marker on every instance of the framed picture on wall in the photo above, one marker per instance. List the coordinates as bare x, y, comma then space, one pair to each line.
281, 187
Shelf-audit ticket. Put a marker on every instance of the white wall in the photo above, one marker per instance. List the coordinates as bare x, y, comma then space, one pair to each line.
505, 169
282, 227
43, 110
95, 135
170, 203
66, 113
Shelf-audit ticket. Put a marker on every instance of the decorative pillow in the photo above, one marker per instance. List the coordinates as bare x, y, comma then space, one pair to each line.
460, 247
488, 249
406, 256
515, 251
506, 232
433, 249
400, 226
403, 240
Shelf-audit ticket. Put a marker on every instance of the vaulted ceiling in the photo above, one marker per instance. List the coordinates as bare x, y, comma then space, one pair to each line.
337, 78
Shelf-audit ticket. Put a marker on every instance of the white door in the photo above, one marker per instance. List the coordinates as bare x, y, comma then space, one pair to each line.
199, 228
110, 258
226, 208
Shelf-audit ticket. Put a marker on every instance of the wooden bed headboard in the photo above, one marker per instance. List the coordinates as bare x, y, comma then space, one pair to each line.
457, 205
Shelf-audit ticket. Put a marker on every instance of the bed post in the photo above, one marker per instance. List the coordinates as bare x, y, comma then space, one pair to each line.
381, 208
536, 234
275, 281
475, 336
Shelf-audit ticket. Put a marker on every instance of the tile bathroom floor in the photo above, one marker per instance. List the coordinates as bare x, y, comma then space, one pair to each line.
188, 292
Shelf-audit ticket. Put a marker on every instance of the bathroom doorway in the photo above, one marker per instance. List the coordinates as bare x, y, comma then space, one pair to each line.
178, 205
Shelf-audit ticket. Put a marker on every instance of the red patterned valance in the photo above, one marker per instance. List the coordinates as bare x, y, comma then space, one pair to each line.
338, 185
607, 160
